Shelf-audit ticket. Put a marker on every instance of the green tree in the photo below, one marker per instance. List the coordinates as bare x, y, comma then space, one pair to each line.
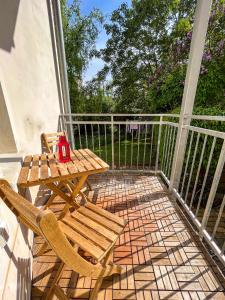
80, 33
147, 54
140, 48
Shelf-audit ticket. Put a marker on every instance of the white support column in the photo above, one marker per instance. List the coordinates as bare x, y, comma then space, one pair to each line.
63, 67
112, 141
158, 144
195, 57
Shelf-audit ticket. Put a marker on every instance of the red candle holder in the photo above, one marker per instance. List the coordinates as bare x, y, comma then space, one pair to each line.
63, 150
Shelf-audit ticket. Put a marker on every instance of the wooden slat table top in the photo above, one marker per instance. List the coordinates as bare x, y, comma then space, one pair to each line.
45, 168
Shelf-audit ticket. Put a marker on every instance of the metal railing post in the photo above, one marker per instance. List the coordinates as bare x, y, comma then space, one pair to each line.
71, 132
61, 125
112, 140
214, 186
158, 145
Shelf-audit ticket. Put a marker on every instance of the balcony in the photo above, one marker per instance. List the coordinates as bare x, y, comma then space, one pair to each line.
173, 246
167, 173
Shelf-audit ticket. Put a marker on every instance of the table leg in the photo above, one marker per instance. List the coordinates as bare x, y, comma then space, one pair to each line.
52, 197
22, 191
63, 195
79, 186
73, 189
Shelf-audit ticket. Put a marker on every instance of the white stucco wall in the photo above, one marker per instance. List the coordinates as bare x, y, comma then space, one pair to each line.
30, 99
15, 257
28, 72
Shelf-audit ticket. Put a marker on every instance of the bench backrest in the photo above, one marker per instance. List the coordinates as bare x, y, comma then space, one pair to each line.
21, 207
50, 140
43, 223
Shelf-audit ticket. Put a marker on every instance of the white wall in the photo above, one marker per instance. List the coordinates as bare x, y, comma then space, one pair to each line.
30, 105
27, 71
15, 257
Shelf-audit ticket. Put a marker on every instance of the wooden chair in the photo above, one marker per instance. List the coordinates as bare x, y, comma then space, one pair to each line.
90, 228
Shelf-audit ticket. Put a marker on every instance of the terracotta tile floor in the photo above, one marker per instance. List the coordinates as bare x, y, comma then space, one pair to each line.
161, 255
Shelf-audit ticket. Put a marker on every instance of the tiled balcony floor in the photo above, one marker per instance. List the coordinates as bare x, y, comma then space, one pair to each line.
161, 254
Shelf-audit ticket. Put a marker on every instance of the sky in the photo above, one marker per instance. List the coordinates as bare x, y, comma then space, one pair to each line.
106, 7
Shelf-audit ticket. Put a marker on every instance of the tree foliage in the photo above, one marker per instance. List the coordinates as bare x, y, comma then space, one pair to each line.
147, 53
80, 33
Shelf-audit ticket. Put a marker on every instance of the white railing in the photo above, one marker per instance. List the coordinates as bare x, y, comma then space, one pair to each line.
146, 143
202, 177
126, 142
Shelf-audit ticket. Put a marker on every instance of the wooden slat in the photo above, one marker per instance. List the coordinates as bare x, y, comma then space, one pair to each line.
62, 168
51, 144
52, 165
106, 214
53, 139
71, 167
90, 159
34, 172
83, 161
88, 233
44, 167
76, 161
84, 243
95, 157
100, 219
48, 169
54, 133
109, 234
24, 172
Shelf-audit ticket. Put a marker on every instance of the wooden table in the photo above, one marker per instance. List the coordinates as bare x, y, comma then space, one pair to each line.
46, 170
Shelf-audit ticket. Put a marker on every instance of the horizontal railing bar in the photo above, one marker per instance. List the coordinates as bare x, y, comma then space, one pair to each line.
207, 118
121, 115
170, 123
139, 171
164, 177
115, 122
123, 122
218, 134
194, 117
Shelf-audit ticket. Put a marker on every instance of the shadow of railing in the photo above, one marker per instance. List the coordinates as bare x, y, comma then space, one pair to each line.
23, 279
